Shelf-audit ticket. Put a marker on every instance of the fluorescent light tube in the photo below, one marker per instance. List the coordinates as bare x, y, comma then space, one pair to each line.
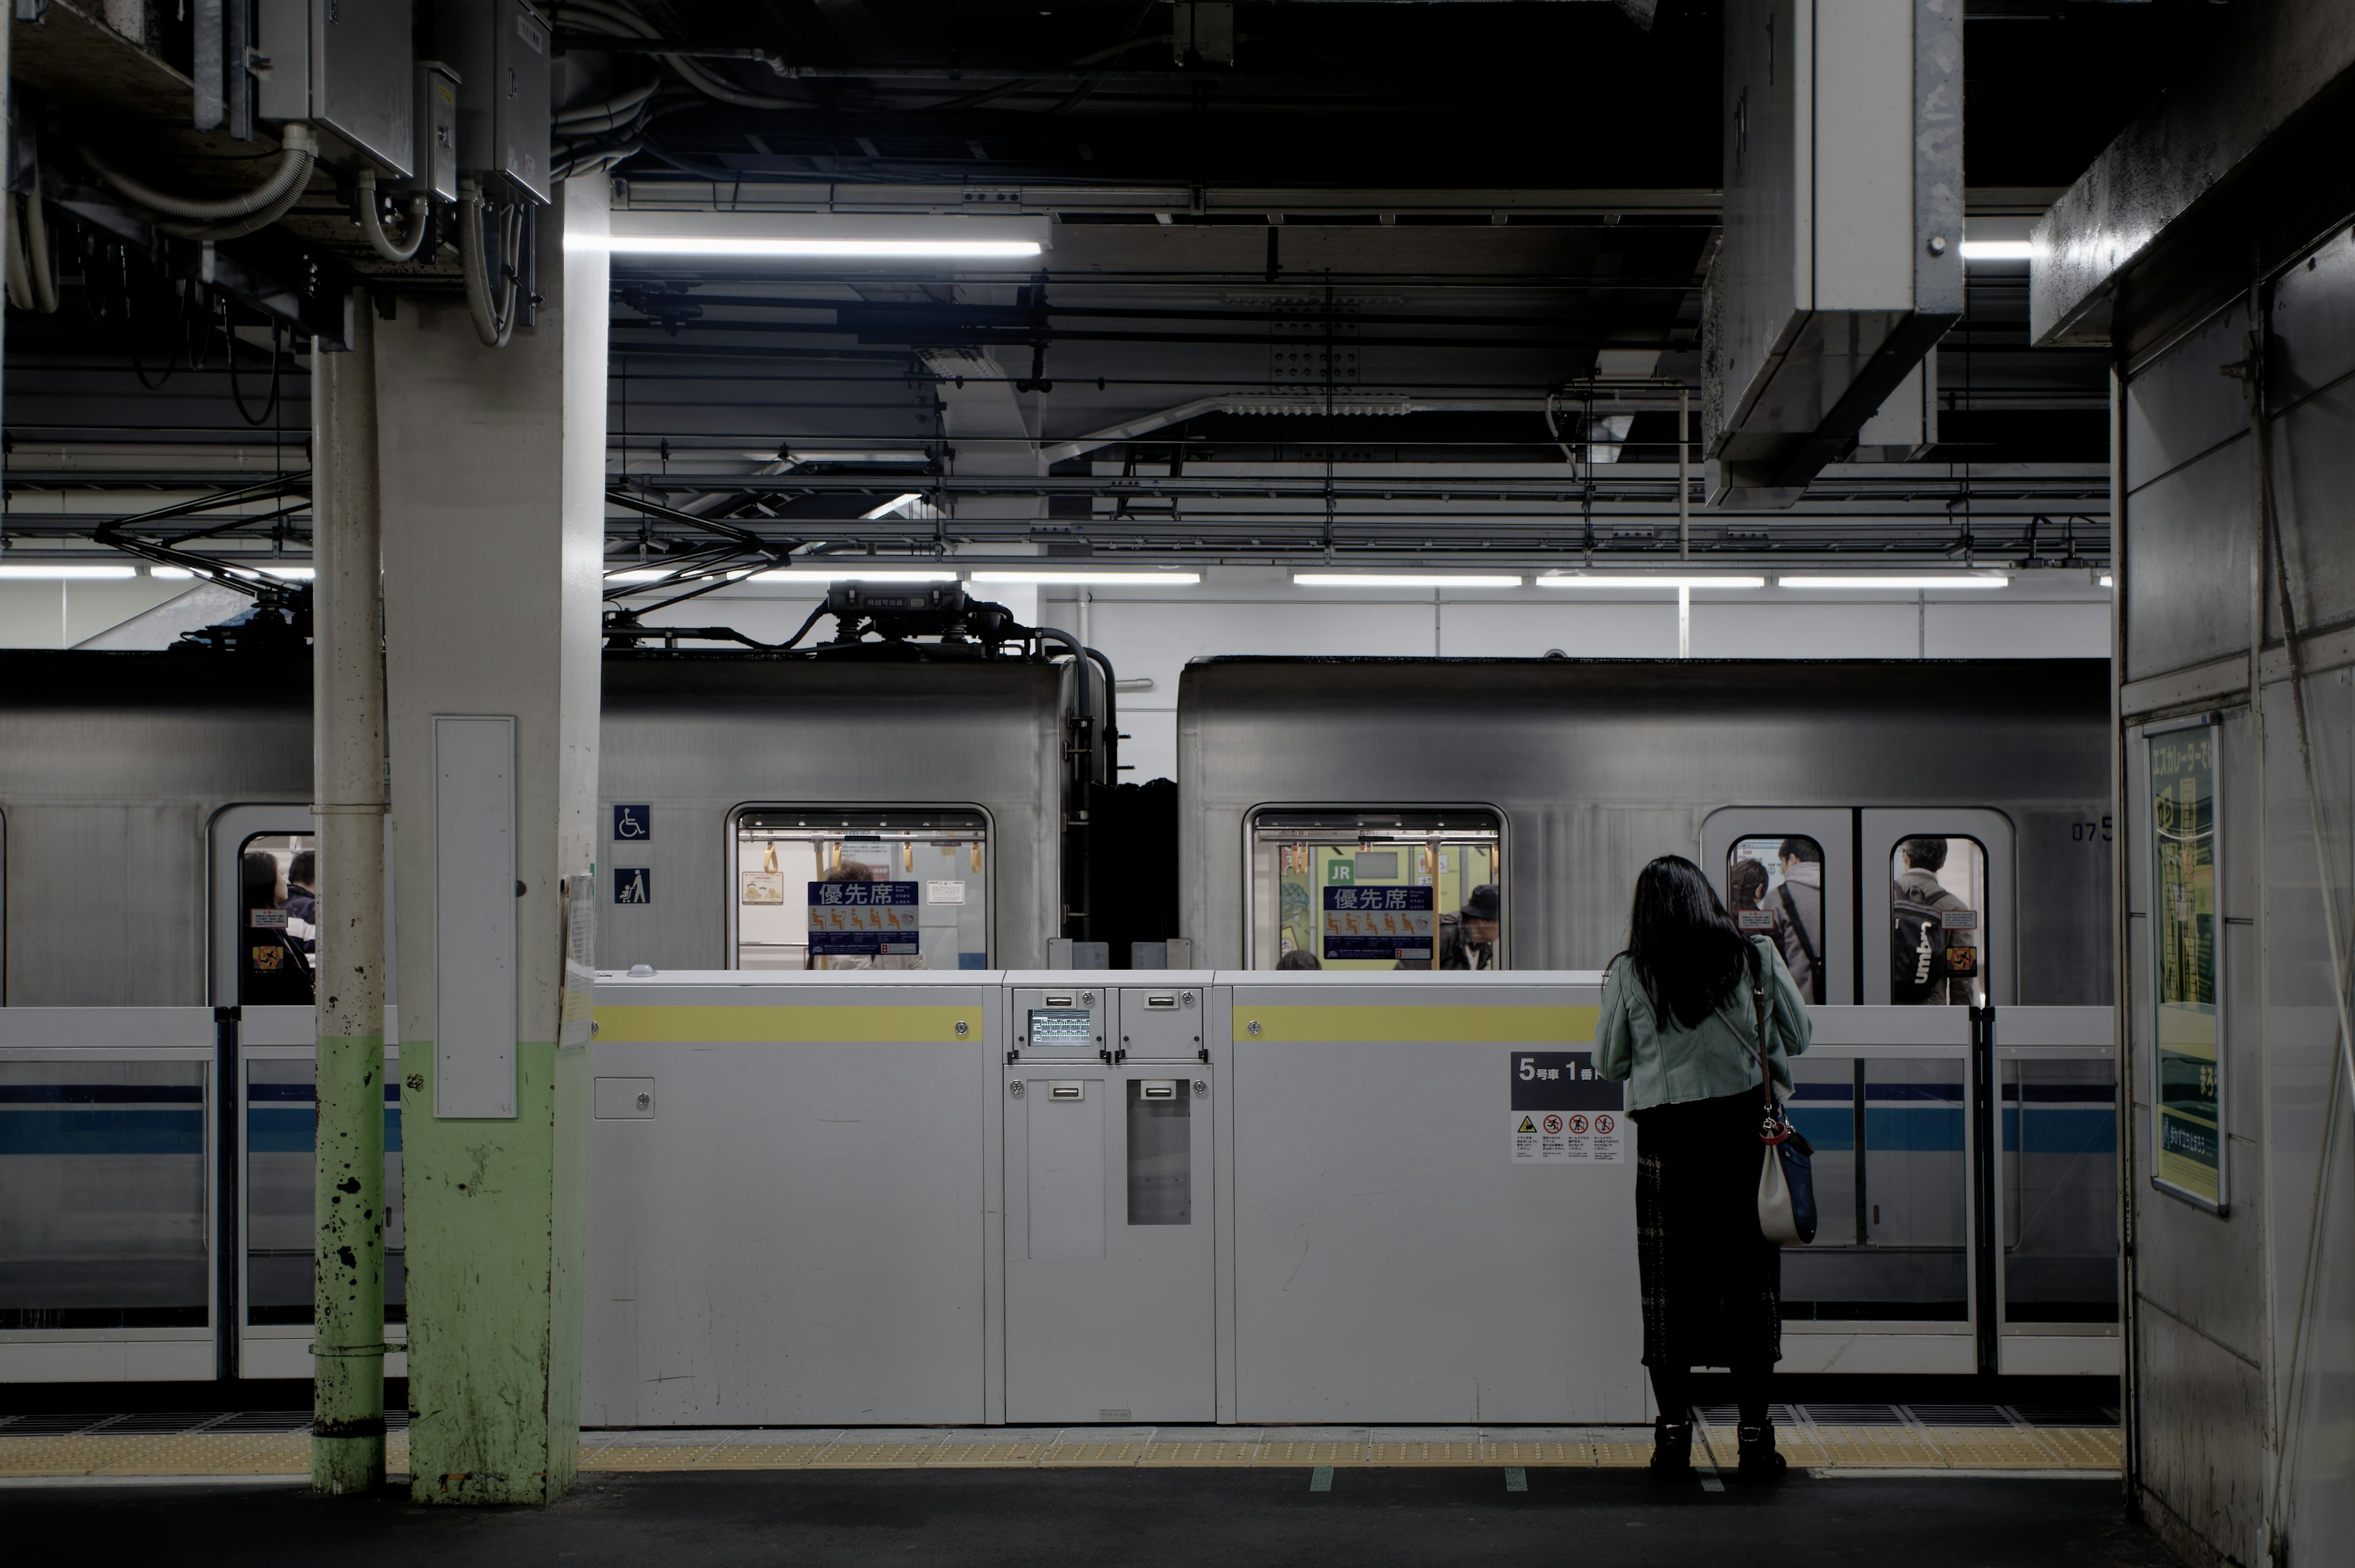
1646, 579
2105, 581
853, 574
171, 573
858, 249
1113, 578
61, 571
1997, 250
1404, 580
1863, 580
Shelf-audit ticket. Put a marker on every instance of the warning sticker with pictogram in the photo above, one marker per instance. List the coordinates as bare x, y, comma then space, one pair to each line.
1563, 1114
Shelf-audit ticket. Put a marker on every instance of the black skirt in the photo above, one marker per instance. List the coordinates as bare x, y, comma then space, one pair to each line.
1712, 1282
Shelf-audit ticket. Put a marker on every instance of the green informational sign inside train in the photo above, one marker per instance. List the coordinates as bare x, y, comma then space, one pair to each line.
2188, 1135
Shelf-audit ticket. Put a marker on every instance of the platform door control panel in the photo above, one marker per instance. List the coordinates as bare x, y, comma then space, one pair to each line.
1110, 1308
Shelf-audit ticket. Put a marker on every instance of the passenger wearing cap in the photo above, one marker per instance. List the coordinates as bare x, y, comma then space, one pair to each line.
1468, 941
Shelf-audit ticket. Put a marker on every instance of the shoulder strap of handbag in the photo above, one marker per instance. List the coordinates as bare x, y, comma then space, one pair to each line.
1760, 1003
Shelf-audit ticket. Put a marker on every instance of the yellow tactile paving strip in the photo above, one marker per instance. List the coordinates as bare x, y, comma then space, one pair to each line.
1807, 1446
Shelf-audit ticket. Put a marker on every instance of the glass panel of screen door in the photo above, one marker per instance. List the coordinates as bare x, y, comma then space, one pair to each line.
796, 909
1373, 889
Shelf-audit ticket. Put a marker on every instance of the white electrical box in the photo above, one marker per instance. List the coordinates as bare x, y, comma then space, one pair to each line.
1841, 264
501, 50
341, 67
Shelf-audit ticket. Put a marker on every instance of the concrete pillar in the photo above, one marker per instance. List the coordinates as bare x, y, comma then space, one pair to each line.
347, 772
494, 480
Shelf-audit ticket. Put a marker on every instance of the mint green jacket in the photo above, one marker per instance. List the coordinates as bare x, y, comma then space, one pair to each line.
1664, 1063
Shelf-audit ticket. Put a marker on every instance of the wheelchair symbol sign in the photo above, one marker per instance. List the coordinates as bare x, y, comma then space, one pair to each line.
633, 885
634, 824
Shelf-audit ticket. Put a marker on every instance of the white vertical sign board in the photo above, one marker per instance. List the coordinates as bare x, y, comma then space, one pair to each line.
474, 917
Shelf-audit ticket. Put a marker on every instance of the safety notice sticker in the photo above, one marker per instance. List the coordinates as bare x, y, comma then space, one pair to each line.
1563, 1114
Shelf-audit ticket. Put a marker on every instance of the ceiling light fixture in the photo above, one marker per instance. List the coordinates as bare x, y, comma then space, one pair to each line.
59, 571
1647, 579
822, 236
830, 250
1109, 578
1404, 580
1997, 250
1927, 582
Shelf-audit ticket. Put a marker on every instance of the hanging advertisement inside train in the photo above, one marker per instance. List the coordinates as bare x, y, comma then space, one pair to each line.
2188, 1061
870, 918
1378, 922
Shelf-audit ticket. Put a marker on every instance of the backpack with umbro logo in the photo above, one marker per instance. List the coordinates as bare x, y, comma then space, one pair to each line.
1918, 963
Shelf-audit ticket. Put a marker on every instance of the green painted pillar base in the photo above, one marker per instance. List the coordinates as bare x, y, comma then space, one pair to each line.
341, 1467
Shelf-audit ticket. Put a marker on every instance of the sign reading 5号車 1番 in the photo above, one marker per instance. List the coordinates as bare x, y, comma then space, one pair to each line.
1563, 1114
2187, 1057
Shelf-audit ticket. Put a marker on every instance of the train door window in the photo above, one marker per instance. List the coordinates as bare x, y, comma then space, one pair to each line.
1790, 872
260, 940
1774, 887
817, 888
277, 935
1357, 889
1937, 908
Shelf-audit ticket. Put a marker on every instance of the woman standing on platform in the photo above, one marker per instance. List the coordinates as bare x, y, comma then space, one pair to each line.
1679, 1026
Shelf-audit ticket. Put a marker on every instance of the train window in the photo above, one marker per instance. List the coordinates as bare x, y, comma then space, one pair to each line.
820, 889
1774, 886
1372, 890
278, 918
1937, 907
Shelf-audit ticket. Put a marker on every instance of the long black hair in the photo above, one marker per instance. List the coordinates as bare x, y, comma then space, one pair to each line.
1682, 945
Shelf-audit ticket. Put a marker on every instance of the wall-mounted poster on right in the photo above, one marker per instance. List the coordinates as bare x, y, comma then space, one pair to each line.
2188, 1060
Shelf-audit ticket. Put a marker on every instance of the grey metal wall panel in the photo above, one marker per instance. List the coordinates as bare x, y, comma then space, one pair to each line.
2188, 591
2179, 407
2203, 1410
2314, 474
796, 1235
1393, 1262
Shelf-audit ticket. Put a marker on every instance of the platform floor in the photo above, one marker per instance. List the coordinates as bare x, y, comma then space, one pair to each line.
1830, 1440
1087, 1517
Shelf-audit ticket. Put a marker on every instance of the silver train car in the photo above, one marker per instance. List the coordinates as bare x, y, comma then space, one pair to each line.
1910, 832
1553, 780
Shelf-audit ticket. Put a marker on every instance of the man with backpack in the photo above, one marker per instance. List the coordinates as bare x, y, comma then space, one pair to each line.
1934, 946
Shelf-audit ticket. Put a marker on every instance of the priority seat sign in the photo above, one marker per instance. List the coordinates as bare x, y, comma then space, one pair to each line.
1563, 1114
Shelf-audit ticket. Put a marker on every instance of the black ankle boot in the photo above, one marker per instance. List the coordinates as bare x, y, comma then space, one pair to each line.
1672, 1450
1760, 1464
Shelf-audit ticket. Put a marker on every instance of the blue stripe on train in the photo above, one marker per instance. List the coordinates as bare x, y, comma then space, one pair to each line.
283, 1129
79, 1131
